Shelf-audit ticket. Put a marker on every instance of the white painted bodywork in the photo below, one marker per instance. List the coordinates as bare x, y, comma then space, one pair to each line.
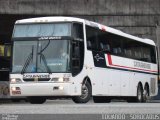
104, 81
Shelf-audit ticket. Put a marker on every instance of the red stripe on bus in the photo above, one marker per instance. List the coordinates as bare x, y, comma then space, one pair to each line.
110, 63
109, 59
103, 28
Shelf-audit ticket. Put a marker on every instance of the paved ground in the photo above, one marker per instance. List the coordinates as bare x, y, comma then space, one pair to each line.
69, 107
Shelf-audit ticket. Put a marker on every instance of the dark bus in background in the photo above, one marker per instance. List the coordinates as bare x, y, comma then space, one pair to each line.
5, 60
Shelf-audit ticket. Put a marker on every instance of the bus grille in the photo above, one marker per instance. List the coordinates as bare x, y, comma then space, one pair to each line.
36, 79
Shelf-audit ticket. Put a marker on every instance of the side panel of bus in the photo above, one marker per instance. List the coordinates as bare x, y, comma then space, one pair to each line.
118, 71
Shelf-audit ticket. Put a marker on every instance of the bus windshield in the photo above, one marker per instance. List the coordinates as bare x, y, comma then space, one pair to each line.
33, 53
40, 30
41, 56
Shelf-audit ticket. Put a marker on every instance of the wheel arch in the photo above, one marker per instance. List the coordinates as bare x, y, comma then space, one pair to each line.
141, 85
84, 99
147, 85
87, 79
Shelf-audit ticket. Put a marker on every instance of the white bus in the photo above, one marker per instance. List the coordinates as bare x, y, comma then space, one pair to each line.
77, 58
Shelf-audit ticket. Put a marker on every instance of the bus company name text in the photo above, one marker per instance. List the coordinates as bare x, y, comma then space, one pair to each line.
49, 38
142, 65
36, 76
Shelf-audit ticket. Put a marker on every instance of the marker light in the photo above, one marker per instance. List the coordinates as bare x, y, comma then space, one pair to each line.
61, 87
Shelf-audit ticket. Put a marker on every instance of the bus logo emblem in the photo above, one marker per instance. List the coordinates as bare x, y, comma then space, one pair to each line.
97, 57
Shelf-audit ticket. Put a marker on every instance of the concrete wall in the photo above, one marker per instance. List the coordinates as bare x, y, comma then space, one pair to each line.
81, 7
142, 26
142, 15
137, 17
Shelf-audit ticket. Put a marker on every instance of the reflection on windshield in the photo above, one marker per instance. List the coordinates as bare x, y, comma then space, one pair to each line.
24, 56
56, 54
27, 62
54, 58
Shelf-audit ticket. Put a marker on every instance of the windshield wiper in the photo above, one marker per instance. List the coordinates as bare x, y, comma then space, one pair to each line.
45, 47
28, 60
45, 62
43, 57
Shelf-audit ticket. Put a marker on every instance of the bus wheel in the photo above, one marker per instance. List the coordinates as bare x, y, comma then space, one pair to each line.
146, 94
37, 100
139, 97
86, 94
101, 99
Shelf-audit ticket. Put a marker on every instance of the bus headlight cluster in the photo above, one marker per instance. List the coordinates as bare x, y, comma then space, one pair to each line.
60, 79
15, 90
15, 80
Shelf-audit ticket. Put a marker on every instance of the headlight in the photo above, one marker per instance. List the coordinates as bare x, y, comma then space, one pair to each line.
15, 80
61, 87
60, 79
66, 79
13, 88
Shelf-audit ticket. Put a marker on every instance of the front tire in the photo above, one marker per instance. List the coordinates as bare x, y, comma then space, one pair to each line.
37, 100
86, 93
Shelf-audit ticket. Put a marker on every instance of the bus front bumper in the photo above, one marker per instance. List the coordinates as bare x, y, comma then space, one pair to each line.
45, 89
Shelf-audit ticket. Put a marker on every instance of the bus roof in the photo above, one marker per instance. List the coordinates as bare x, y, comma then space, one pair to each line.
87, 22
49, 19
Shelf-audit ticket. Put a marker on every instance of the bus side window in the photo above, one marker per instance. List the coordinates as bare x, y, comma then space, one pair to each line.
107, 47
78, 30
101, 46
89, 45
77, 56
104, 47
91, 35
115, 51
128, 53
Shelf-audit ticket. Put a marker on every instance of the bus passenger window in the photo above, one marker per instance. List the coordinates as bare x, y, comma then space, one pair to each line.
119, 50
128, 53
91, 35
107, 47
104, 47
89, 45
115, 51
78, 30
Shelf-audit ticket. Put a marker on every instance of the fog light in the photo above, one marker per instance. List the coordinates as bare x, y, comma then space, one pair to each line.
60, 79
13, 88
13, 80
61, 87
